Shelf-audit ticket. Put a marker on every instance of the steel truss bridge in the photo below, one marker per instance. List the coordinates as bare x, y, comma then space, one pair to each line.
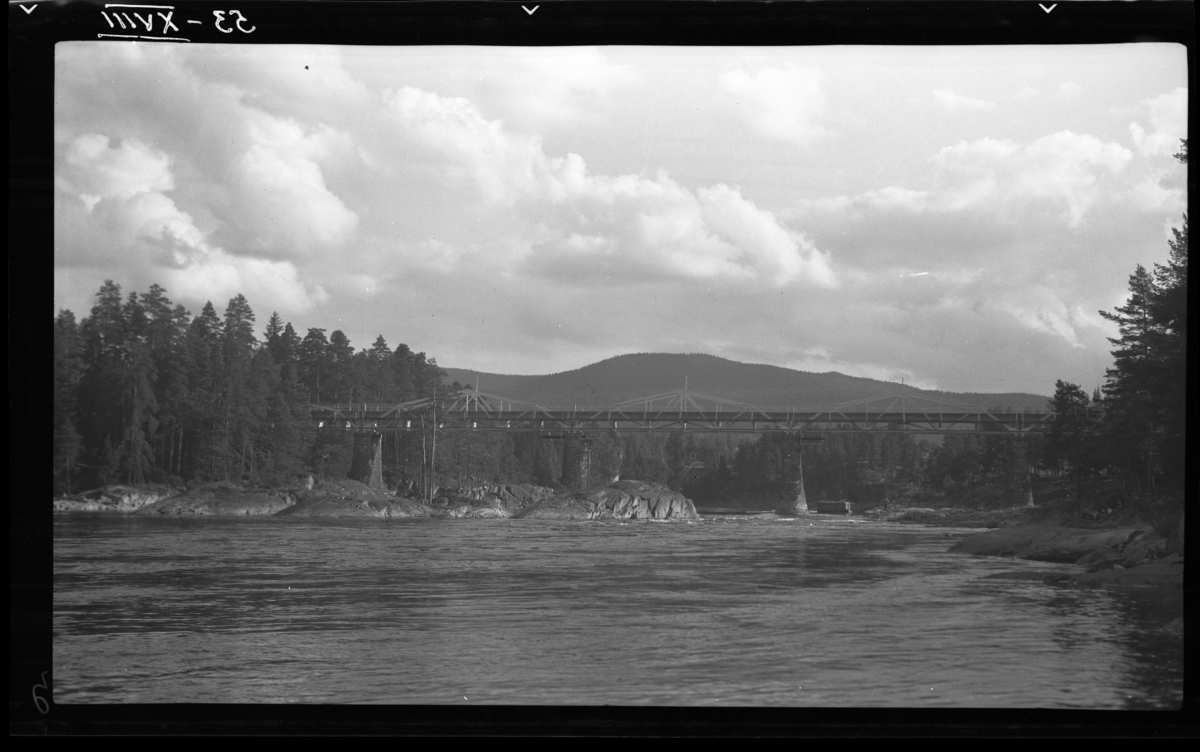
681, 410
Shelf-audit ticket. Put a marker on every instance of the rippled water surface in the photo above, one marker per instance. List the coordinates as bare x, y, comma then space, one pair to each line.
727, 611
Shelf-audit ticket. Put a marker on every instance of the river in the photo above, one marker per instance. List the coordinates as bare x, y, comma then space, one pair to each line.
728, 611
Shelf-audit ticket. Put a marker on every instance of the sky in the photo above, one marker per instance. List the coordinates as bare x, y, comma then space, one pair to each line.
953, 217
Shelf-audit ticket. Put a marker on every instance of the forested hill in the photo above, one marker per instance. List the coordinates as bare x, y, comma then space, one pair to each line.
631, 376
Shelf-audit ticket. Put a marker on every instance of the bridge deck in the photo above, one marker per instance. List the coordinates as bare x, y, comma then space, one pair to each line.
399, 418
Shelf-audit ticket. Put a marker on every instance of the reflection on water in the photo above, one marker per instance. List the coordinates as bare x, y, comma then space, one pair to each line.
721, 612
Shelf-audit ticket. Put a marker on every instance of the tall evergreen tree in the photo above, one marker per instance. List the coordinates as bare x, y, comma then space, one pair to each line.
139, 407
314, 365
1146, 389
201, 445
1072, 432
101, 423
68, 372
341, 378
242, 400
402, 373
166, 338
380, 375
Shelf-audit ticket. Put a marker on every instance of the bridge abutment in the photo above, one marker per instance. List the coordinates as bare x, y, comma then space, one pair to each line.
366, 465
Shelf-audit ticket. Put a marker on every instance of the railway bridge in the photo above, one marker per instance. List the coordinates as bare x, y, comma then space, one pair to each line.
680, 410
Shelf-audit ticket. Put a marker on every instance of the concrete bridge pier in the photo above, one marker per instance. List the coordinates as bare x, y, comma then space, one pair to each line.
576, 461
366, 466
800, 505
1018, 487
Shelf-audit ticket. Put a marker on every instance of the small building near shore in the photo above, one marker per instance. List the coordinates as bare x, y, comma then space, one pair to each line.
834, 507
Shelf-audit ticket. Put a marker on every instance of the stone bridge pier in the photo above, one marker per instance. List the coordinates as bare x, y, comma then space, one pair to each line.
576, 461
366, 466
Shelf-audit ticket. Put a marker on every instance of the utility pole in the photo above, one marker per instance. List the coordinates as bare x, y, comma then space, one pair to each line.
433, 447
1150, 460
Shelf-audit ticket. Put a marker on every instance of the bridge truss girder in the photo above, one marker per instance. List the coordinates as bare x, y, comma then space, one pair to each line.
403, 418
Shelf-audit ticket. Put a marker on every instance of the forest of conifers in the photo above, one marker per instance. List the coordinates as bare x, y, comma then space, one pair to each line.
146, 392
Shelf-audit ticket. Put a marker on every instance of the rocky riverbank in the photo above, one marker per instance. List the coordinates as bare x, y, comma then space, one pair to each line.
118, 499
1121, 552
1137, 556
347, 498
1114, 555
223, 500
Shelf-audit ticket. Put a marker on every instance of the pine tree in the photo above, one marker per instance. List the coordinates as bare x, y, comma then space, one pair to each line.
1145, 390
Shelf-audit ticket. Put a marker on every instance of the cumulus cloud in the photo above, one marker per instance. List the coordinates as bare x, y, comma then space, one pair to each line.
565, 86
96, 171
1014, 237
1168, 118
285, 206
997, 184
124, 191
1063, 169
607, 227
217, 275
784, 104
955, 102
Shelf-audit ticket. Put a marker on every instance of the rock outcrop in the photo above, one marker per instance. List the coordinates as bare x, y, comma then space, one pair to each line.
486, 501
223, 499
351, 498
123, 499
623, 500
1042, 543
1114, 557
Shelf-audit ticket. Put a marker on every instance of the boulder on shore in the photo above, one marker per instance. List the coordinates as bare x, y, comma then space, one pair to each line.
623, 500
119, 498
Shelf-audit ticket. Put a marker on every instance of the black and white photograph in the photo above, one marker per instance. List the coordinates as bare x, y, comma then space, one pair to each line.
653, 375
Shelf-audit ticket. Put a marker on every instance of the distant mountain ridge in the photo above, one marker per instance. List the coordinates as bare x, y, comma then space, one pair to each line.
627, 377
